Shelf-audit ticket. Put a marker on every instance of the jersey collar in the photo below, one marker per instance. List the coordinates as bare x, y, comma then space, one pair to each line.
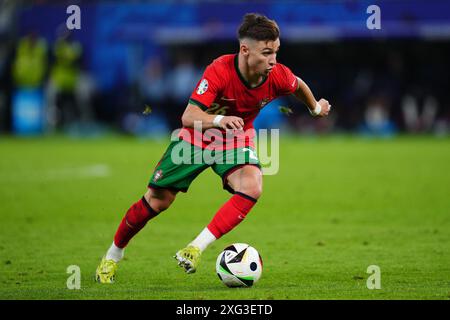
241, 77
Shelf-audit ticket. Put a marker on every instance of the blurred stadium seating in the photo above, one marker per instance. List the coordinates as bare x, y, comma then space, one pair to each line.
138, 53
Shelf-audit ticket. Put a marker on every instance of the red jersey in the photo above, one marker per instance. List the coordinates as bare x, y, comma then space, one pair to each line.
223, 90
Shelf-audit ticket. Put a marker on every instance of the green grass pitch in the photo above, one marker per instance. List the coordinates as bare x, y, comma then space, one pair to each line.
337, 206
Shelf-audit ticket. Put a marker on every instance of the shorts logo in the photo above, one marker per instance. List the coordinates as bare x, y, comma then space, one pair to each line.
202, 87
158, 175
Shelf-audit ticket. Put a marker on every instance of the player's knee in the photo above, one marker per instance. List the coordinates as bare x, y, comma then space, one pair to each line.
159, 201
159, 206
253, 190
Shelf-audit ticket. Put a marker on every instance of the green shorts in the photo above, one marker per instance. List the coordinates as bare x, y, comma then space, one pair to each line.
183, 162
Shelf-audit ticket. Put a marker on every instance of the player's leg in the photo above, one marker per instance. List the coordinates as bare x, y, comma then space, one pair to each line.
167, 179
246, 180
246, 183
149, 206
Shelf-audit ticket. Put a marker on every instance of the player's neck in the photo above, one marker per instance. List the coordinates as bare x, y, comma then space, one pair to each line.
252, 78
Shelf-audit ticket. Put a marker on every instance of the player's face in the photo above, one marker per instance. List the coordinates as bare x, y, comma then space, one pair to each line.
262, 56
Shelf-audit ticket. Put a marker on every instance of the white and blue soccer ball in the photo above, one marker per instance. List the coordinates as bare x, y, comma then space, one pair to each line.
239, 265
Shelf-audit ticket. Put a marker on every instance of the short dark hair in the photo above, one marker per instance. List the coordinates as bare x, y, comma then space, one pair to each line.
258, 27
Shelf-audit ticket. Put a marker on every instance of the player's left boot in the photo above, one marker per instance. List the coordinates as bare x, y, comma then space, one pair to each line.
188, 258
106, 271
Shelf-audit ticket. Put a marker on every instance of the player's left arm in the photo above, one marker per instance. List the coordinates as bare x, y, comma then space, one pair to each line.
319, 108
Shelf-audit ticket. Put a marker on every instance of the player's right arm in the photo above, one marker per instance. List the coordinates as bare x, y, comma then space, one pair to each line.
305, 95
288, 83
193, 113
207, 90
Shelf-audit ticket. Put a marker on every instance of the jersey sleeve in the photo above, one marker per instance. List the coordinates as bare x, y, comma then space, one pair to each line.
207, 88
286, 81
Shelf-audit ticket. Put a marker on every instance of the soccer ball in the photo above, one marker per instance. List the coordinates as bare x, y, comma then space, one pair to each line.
239, 265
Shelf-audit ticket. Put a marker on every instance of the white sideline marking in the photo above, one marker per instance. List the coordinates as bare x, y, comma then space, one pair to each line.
69, 173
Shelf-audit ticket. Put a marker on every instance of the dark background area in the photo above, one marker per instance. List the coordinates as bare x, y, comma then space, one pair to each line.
148, 53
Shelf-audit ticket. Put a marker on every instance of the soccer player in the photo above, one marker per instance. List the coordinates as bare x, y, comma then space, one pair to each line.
226, 100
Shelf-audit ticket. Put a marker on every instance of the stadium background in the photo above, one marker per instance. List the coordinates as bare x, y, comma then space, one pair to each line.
78, 143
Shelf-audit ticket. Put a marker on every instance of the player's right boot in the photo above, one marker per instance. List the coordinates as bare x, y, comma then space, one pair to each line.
188, 258
106, 271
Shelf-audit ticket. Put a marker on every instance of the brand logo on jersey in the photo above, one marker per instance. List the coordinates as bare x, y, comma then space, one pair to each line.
158, 175
263, 102
202, 87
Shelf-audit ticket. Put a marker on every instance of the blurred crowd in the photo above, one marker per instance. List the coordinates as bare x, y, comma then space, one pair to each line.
376, 88
43, 86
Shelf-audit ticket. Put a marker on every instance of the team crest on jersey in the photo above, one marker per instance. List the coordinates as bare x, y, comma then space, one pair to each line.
158, 175
202, 87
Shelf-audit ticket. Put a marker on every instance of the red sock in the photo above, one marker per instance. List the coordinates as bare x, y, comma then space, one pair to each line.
134, 220
231, 214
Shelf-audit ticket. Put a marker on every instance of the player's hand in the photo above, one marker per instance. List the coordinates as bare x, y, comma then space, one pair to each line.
231, 122
326, 107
